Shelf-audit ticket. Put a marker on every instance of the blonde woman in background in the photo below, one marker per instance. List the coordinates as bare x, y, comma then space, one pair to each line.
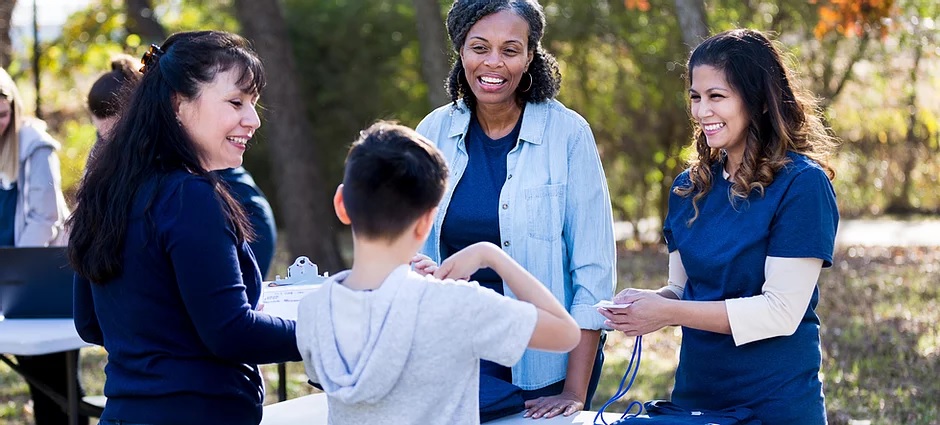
32, 213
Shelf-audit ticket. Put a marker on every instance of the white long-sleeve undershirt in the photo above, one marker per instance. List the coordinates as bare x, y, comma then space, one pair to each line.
777, 311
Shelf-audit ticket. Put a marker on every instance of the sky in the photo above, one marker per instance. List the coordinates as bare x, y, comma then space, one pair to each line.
51, 14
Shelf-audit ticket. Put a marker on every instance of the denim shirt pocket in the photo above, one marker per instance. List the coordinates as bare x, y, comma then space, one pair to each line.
544, 211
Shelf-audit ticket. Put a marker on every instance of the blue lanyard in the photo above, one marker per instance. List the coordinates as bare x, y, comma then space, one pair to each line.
622, 389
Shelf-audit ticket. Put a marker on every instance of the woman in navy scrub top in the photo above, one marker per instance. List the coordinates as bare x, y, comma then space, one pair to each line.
750, 225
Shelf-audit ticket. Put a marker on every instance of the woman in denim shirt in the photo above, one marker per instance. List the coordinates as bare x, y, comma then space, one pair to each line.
526, 176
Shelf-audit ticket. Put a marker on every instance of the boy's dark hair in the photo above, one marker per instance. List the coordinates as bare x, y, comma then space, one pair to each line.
393, 176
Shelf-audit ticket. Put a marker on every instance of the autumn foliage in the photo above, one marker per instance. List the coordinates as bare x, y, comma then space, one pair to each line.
853, 17
641, 5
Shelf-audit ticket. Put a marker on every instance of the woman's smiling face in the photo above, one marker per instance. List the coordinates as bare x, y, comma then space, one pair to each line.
495, 56
220, 121
719, 109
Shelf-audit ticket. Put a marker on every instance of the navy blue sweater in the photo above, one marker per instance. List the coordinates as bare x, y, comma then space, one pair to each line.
179, 324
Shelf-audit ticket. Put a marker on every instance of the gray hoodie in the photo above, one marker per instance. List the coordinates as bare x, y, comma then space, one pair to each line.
40, 207
411, 352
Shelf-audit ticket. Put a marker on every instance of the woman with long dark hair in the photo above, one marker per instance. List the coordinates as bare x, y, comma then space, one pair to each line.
165, 278
751, 223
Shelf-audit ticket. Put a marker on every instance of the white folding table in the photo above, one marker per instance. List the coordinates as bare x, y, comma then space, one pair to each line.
32, 337
312, 410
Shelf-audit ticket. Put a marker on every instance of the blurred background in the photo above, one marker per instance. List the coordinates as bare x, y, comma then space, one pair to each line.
335, 66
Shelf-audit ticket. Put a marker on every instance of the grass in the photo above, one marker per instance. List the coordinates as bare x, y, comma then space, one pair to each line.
881, 343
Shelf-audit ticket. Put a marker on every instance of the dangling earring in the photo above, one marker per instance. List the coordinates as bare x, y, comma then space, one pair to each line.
531, 80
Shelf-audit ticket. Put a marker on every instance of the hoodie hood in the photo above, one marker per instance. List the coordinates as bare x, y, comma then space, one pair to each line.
393, 319
33, 136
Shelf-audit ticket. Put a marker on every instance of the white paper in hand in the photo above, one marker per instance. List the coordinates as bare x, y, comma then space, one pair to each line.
607, 304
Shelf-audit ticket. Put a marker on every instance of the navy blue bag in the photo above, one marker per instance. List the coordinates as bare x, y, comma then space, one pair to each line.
665, 412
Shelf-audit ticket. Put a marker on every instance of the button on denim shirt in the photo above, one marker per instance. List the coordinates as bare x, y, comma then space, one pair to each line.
554, 215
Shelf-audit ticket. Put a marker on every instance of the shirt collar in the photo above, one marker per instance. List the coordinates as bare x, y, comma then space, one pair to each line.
533, 121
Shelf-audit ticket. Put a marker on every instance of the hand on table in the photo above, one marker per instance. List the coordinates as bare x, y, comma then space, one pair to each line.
565, 404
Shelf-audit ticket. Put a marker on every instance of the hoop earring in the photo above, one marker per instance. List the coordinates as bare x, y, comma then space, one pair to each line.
531, 81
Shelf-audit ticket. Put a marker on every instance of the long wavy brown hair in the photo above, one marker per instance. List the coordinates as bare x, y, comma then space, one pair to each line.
783, 116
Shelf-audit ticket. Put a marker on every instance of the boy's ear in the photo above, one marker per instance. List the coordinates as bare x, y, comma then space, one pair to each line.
340, 207
424, 223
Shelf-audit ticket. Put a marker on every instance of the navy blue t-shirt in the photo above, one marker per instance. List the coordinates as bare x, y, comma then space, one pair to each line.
724, 251
473, 216
473, 213
8, 215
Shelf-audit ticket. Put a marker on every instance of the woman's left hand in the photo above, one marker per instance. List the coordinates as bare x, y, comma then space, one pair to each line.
648, 312
548, 407
423, 265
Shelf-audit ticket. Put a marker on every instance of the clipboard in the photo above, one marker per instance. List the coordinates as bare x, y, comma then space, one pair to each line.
281, 297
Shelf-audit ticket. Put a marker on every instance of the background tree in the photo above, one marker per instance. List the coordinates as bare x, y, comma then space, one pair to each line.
140, 20
692, 21
305, 209
6, 23
435, 51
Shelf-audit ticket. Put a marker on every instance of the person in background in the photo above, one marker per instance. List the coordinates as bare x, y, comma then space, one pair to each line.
243, 188
171, 290
108, 97
528, 178
391, 346
32, 213
750, 225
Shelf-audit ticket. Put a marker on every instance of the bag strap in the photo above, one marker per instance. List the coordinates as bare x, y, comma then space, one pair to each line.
624, 386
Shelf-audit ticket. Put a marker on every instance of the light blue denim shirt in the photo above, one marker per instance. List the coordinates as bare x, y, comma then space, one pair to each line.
554, 215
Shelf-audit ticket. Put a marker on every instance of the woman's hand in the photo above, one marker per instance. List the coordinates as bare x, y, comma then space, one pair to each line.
467, 261
648, 312
423, 265
548, 407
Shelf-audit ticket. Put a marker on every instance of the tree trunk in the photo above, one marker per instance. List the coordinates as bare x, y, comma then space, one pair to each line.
902, 202
140, 21
692, 21
6, 23
304, 202
435, 63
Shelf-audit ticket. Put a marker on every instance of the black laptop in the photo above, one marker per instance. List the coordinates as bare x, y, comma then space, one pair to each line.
35, 283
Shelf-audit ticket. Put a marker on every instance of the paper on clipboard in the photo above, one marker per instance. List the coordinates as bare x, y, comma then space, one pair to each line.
282, 296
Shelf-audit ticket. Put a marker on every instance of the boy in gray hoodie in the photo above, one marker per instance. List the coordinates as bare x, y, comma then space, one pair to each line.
389, 345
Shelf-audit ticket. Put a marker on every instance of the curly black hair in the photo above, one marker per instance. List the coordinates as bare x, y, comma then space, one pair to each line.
543, 71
